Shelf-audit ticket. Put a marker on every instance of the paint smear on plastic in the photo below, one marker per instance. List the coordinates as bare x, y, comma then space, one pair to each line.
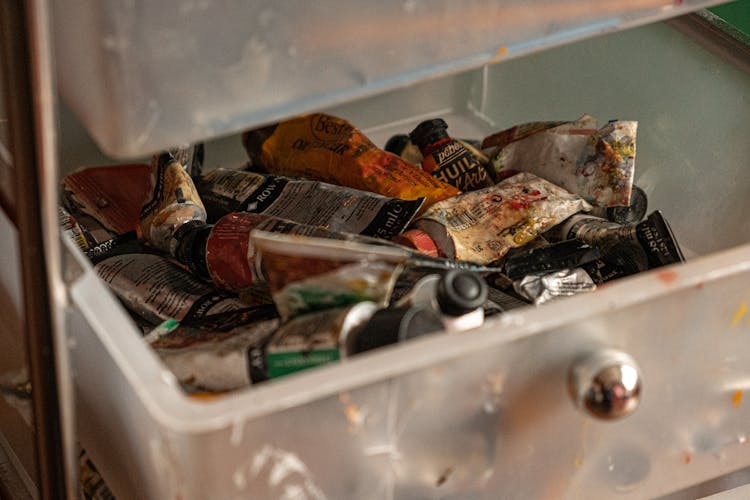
737, 399
667, 276
739, 314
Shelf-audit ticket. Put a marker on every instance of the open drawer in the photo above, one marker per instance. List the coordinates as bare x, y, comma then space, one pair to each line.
484, 414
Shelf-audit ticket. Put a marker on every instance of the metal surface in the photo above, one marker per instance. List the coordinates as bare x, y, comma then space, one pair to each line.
29, 100
606, 384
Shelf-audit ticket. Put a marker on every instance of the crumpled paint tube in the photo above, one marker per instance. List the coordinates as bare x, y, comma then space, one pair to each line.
562, 255
481, 226
310, 274
330, 149
224, 253
157, 289
598, 165
211, 360
313, 339
653, 235
316, 203
191, 157
172, 202
544, 287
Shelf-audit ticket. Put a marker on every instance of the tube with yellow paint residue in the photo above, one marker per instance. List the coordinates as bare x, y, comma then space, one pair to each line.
596, 164
172, 201
482, 226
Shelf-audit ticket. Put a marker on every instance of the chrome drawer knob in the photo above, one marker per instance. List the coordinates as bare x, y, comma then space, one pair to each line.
606, 384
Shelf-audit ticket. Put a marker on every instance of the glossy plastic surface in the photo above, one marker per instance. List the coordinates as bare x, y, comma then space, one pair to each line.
145, 75
485, 414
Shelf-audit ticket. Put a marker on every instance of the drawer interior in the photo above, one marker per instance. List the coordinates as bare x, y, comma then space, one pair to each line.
692, 152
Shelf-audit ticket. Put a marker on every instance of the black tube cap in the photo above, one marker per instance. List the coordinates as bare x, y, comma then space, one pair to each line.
460, 292
397, 143
190, 249
634, 212
388, 326
428, 132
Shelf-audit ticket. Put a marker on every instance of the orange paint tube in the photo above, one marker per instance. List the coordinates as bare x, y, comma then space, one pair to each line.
330, 149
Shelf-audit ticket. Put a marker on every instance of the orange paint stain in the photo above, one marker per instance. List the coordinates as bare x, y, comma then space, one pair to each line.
739, 314
499, 55
667, 277
737, 399
205, 396
687, 458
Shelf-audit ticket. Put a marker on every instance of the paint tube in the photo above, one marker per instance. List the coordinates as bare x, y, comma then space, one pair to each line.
156, 289
544, 287
172, 202
309, 202
106, 200
310, 274
224, 253
598, 165
393, 325
401, 145
457, 296
73, 230
213, 360
555, 257
619, 259
327, 336
330, 149
481, 226
191, 157
107, 247
653, 236
313, 339
448, 159
499, 301
412, 272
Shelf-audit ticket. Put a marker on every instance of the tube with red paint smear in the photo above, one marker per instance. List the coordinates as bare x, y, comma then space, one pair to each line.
224, 252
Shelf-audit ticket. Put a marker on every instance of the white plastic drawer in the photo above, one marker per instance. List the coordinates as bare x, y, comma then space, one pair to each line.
145, 75
485, 414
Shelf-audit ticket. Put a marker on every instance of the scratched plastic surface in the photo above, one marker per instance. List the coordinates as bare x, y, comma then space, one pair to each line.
483, 415
144, 75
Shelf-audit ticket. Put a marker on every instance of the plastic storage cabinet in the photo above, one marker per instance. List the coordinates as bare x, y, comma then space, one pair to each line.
500, 412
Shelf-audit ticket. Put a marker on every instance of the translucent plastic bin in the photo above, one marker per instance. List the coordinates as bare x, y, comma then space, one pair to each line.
485, 414
144, 75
